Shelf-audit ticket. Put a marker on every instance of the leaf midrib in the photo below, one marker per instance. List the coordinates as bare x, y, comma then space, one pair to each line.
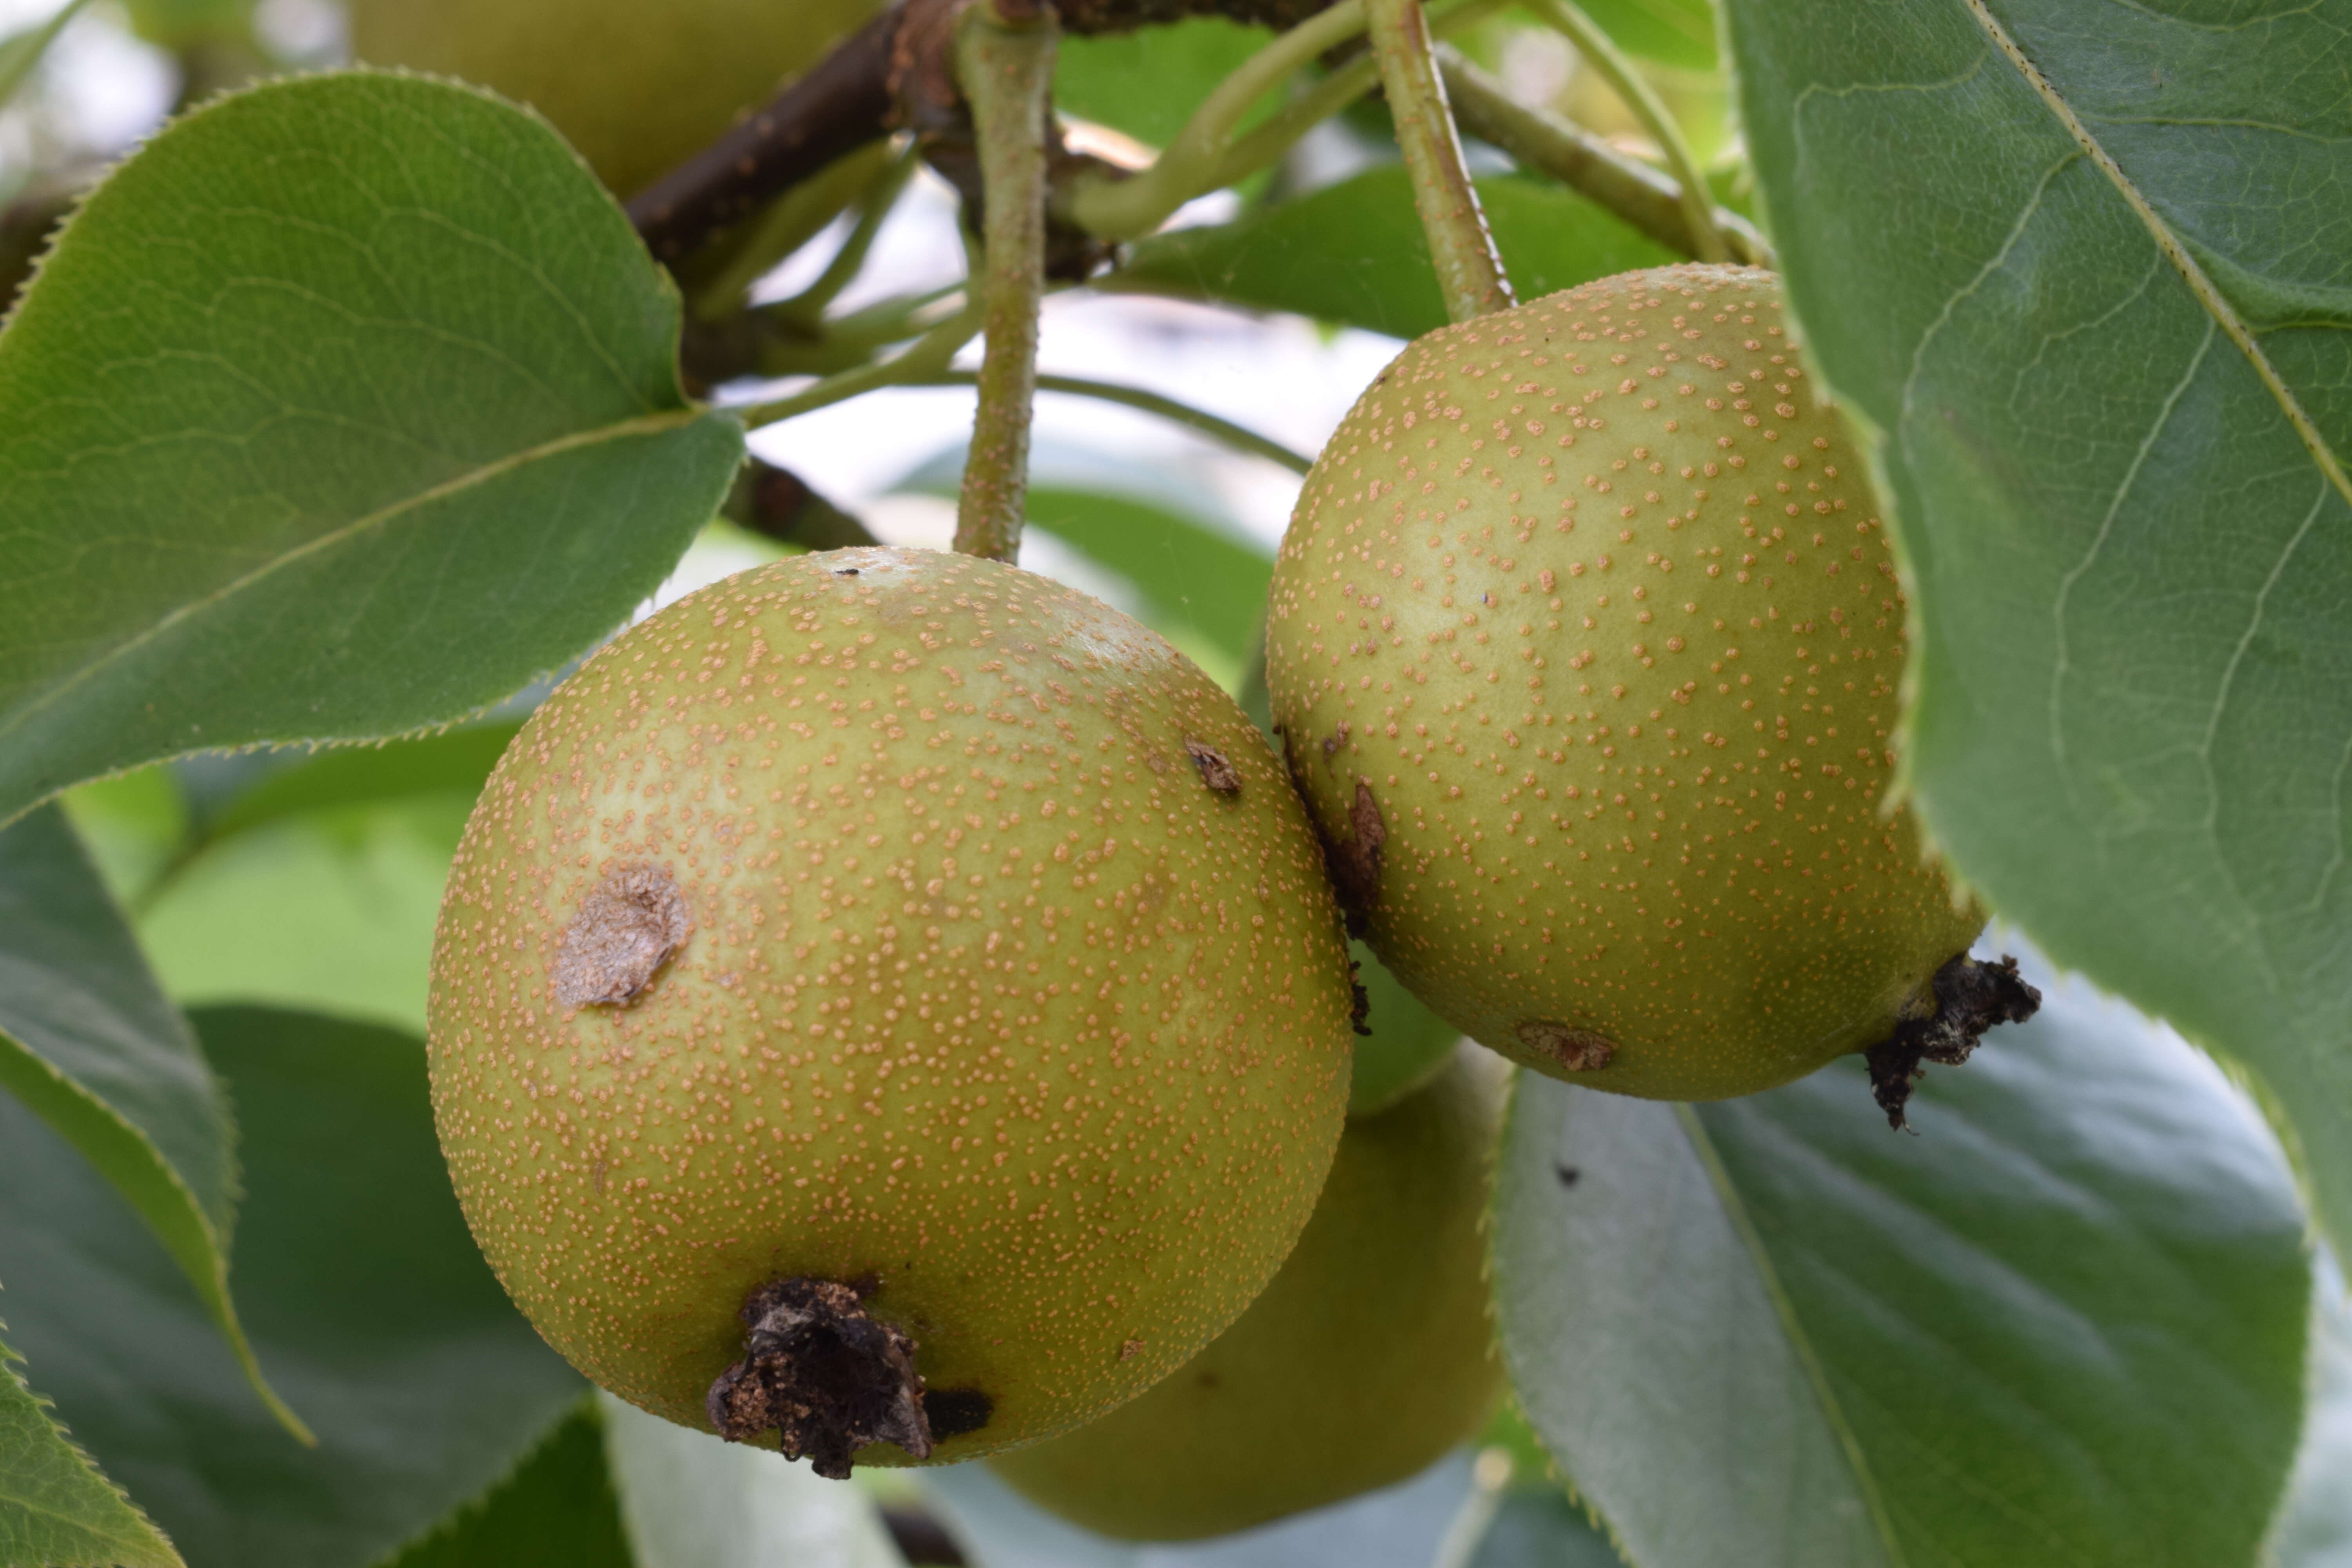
1735, 1211
381, 517
2208, 296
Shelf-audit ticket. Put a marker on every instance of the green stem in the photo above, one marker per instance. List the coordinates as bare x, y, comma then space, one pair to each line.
1005, 63
927, 355
1543, 142
807, 309
1239, 437
1469, 269
1636, 92
716, 277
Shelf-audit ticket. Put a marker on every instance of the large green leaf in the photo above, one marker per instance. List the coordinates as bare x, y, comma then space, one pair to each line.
56, 1510
89, 1041
2313, 1527
1354, 253
2097, 305
365, 1295
2063, 1326
331, 910
1679, 33
557, 1511
344, 407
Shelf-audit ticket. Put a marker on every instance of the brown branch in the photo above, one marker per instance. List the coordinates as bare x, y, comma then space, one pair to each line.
894, 73
778, 503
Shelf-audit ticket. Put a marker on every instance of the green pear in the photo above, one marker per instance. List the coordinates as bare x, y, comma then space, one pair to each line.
1367, 1357
890, 979
635, 87
1587, 643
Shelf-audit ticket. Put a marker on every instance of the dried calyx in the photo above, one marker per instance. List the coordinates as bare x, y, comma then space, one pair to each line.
826, 1378
1970, 997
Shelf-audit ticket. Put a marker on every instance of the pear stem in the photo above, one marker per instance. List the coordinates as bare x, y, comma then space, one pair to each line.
1469, 269
1005, 63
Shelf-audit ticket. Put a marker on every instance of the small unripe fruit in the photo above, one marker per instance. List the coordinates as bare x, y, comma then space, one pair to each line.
1586, 644
1368, 1358
910, 960
635, 87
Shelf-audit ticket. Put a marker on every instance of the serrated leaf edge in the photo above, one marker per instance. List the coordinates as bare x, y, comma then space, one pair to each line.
10, 1364
210, 1280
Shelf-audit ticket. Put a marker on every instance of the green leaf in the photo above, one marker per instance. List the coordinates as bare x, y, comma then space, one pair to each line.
1679, 33
1199, 580
456, 762
1148, 82
2063, 1325
1407, 1044
331, 910
365, 1295
2120, 487
344, 407
693, 1500
1538, 1527
2313, 1527
56, 1510
1353, 253
89, 1043
21, 51
556, 1511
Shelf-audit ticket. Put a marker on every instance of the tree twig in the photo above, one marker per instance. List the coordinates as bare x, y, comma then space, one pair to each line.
1546, 143
1469, 269
874, 206
927, 355
778, 503
1238, 437
1004, 58
1601, 52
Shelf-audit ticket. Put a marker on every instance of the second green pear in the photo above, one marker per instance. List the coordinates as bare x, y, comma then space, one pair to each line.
1365, 1361
636, 88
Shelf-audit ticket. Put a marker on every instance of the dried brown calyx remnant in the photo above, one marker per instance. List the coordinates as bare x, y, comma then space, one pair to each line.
1360, 1001
1970, 997
1215, 771
626, 929
824, 1376
1576, 1051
